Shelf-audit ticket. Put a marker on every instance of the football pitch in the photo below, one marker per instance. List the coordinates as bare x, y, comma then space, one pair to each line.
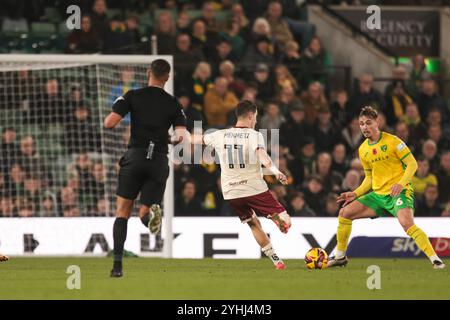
179, 279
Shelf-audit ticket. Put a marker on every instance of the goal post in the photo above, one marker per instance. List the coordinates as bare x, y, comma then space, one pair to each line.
62, 161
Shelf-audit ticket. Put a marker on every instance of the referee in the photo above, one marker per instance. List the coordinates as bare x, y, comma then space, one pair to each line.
144, 167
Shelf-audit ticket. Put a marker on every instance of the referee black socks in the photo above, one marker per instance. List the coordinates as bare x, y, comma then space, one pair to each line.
119, 235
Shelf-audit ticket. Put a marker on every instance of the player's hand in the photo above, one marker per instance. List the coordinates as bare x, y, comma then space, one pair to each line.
282, 178
346, 197
396, 189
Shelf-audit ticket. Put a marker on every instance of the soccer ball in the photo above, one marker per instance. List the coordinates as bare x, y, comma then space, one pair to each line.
316, 258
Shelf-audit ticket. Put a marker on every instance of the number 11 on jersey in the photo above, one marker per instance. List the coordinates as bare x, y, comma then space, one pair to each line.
231, 160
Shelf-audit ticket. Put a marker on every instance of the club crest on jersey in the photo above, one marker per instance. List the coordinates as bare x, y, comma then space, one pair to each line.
374, 151
384, 148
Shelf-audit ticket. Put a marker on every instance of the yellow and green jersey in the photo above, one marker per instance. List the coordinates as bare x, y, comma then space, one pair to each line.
383, 161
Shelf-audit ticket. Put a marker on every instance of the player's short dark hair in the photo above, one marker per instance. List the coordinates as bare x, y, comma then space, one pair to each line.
244, 107
369, 112
159, 68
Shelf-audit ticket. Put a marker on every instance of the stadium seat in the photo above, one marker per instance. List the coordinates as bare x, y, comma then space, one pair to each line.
43, 29
13, 27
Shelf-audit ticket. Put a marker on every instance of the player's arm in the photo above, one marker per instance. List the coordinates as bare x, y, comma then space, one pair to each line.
120, 108
178, 121
364, 187
112, 120
265, 160
410, 163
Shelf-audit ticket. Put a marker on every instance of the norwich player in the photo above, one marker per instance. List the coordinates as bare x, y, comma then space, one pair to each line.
389, 167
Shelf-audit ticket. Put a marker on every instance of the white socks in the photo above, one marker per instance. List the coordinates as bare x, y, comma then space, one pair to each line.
268, 251
339, 254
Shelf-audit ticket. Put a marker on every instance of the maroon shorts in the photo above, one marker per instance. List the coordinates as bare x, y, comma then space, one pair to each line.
262, 204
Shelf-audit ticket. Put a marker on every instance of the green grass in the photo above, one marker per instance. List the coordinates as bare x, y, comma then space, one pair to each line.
45, 278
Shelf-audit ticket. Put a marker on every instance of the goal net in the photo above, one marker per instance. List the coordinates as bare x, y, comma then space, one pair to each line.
57, 160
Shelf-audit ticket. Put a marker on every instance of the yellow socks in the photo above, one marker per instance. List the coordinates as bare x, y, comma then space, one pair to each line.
422, 241
343, 233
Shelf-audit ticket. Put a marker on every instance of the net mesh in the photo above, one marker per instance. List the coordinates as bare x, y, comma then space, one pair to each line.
56, 157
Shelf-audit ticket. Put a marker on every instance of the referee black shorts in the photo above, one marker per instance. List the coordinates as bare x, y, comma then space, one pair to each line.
139, 174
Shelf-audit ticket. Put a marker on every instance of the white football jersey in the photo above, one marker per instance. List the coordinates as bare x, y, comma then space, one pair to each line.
241, 171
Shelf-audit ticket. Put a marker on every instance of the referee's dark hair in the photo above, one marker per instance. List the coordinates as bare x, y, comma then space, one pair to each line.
369, 112
244, 107
160, 68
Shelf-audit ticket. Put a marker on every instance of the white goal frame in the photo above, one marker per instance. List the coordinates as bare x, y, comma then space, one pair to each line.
118, 60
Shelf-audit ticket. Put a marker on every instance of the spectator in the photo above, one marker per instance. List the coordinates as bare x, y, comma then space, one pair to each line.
132, 24
30, 160
68, 199
185, 58
261, 52
25, 208
429, 205
298, 207
331, 205
313, 100
418, 72
262, 79
221, 53
200, 83
49, 106
84, 40
226, 70
382, 123
100, 21
48, 207
280, 194
325, 134
284, 78
315, 63
232, 34
9, 150
238, 15
434, 133
186, 203
278, 25
126, 83
209, 18
315, 195
118, 39
183, 22
351, 181
331, 180
352, 136
423, 177
191, 113
80, 134
7, 209
414, 122
33, 189
339, 109
365, 95
272, 118
397, 100
219, 101
402, 131
287, 100
429, 98
399, 77
294, 130
355, 164
165, 31
97, 184
443, 175
17, 178
292, 60
201, 39
103, 208
71, 211
429, 151
340, 162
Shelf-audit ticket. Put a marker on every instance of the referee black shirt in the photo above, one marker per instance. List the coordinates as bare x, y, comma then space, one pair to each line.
152, 111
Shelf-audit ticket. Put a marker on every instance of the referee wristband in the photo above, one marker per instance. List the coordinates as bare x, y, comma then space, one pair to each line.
274, 170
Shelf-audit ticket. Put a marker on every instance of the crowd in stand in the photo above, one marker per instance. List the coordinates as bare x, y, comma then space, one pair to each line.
261, 52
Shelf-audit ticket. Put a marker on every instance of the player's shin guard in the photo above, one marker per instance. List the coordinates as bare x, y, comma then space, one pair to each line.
422, 242
119, 235
343, 234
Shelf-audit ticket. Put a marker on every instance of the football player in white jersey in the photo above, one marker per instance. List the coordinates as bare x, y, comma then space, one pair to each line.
241, 151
